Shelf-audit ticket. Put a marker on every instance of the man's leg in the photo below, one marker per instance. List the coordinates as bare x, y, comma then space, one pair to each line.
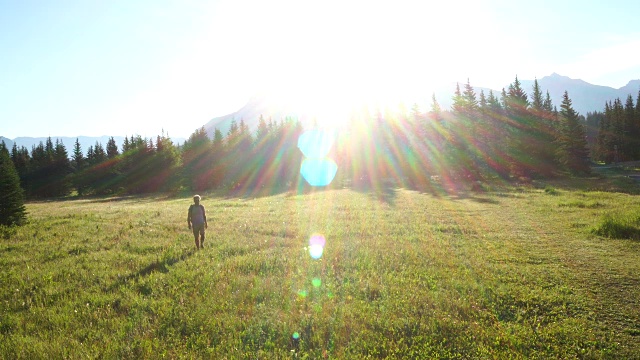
202, 236
195, 236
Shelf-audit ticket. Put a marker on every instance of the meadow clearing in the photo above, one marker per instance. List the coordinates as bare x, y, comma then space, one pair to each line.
507, 272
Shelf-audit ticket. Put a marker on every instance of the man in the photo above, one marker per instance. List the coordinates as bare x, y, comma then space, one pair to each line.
197, 219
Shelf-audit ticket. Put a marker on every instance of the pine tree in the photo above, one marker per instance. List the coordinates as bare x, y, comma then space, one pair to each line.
503, 99
537, 103
49, 149
78, 156
592, 125
616, 130
636, 129
604, 140
435, 106
21, 160
541, 133
458, 105
12, 209
90, 156
196, 160
112, 148
482, 102
516, 106
517, 100
78, 160
262, 132
218, 154
497, 135
572, 143
469, 95
126, 145
630, 142
61, 170
99, 155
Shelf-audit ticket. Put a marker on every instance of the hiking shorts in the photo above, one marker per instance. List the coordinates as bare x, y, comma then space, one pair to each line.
198, 229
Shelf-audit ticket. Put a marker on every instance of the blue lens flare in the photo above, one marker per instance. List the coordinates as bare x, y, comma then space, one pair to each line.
318, 171
315, 143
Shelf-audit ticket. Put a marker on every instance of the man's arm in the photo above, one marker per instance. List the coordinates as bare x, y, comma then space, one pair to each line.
189, 218
204, 215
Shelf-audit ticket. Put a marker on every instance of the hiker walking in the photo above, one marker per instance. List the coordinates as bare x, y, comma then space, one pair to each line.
197, 219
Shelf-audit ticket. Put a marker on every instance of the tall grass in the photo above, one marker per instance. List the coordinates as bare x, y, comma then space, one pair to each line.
624, 225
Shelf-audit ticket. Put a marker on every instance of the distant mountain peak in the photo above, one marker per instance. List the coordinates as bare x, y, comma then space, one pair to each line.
635, 82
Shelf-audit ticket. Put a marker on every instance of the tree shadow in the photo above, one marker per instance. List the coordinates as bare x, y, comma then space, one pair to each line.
382, 190
159, 265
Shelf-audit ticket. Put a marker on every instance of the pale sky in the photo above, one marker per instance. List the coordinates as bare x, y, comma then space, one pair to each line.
122, 67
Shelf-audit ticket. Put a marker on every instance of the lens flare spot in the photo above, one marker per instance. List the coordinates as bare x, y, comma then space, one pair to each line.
318, 171
316, 282
316, 246
316, 251
315, 143
295, 336
302, 293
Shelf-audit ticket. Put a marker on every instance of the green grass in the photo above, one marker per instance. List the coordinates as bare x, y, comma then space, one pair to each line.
511, 273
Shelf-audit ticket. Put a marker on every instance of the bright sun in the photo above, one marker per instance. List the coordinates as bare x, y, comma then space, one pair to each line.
327, 59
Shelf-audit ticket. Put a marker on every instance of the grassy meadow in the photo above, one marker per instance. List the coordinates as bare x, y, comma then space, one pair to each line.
521, 272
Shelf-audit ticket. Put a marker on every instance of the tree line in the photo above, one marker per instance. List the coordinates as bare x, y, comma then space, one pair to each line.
615, 132
513, 134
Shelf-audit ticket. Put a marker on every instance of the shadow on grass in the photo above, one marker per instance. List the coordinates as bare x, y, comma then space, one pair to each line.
159, 265
384, 193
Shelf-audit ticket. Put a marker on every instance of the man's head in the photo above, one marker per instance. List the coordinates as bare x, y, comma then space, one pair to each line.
196, 199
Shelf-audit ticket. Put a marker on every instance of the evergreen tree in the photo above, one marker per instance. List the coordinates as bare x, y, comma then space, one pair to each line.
572, 143
470, 100
90, 156
548, 104
262, 132
49, 149
126, 146
112, 148
78, 156
435, 106
482, 102
12, 210
78, 161
616, 130
593, 122
61, 169
629, 139
99, 155
503, 99
537, 103
636, 129
196, 160
218, 154
521, 142
602, 139
458, 105
163, 165
22, 161
542, 134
